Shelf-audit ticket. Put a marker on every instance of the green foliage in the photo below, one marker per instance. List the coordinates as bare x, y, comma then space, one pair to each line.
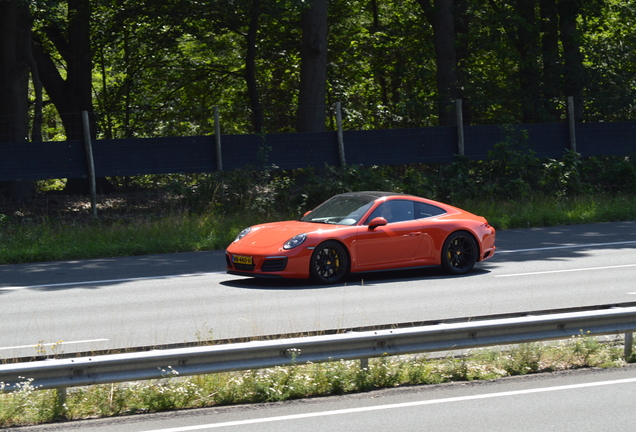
512, 189
614, 174
160, 67
461, 180
513, 165
523, 359
562, 178
512, 171
316, 186
262, 193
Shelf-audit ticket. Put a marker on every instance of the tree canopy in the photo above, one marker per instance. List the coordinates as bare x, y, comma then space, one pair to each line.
158, 67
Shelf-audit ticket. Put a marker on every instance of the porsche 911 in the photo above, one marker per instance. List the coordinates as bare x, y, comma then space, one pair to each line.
359, 232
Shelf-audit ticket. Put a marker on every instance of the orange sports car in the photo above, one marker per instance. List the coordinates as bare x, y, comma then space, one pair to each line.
363, 232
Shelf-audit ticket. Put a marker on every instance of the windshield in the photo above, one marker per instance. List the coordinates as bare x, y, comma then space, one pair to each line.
341, 209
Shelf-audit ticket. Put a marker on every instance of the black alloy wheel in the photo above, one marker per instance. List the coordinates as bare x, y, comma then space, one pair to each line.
459, 253
329, 263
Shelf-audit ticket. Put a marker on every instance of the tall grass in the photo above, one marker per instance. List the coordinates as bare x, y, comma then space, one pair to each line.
542, 211
52, 240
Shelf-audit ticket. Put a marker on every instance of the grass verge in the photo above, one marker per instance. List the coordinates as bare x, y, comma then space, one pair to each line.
29, 406
542, 212
53, 239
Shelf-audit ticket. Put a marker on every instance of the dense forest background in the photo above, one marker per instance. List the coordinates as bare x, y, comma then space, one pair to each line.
159, 67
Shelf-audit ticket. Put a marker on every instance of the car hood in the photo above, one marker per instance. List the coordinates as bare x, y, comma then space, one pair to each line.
275, 234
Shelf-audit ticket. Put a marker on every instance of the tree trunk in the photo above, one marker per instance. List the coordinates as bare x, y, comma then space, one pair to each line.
526, 41
551, 83
462, 20
441, 18
72, 95
250, 69
312, 94
378, 61
15, 39
573, 76
522, 29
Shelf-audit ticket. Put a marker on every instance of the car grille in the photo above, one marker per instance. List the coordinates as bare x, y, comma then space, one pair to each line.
272, 265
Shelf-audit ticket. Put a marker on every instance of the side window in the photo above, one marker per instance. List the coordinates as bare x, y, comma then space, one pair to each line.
423, 210
394, 211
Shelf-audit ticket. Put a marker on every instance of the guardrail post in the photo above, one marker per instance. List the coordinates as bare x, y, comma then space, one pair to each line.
629, 342
364, 363
61, 399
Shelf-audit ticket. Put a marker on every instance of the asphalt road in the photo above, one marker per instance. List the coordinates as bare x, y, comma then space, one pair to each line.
578, 401
139, 301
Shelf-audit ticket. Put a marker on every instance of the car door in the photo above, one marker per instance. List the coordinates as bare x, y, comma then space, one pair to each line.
395, 244
426, 214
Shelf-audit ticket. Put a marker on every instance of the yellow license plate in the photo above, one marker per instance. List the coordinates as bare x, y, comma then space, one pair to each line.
238, 259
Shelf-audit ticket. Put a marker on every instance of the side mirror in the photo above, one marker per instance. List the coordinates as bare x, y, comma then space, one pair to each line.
307, 213
376, 222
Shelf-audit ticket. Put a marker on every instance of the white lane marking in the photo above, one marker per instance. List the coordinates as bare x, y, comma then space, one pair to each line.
567, 270
567, 247
16, 288
53, 343
396, 406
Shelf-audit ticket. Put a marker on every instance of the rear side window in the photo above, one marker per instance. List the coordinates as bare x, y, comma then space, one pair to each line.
394, 211
423, 210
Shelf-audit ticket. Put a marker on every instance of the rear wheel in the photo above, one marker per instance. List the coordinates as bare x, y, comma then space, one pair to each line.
459, 253
329, 263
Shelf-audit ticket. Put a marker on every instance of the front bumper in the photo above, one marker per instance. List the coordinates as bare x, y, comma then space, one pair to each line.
295, 266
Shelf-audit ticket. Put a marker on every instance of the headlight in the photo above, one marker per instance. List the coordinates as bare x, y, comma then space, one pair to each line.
242, 234
295, 241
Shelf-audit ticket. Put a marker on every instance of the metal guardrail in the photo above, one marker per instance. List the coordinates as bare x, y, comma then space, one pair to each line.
81, 371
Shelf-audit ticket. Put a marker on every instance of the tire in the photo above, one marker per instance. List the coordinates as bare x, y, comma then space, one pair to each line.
459, 253
329, 263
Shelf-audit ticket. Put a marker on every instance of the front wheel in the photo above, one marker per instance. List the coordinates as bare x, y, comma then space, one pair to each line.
459, 253
329, 263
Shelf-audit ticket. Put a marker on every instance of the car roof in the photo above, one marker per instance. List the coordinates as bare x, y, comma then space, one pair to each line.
371, 195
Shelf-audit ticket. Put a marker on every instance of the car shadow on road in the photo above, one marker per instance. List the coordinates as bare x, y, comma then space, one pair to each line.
355, 279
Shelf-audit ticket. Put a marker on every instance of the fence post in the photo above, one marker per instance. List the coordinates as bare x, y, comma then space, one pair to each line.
629, 342
460, 127
217, 137
341, 151
571, 124
89, 157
